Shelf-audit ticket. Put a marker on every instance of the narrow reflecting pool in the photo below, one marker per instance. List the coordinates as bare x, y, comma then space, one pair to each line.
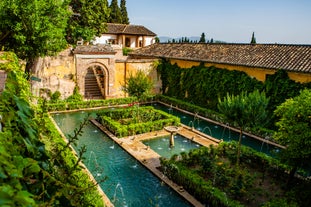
129, 183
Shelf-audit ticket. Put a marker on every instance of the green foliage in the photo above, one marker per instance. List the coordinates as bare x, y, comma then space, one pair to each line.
203, 86
33, 28
76, 96
138, 85
87, 20
244, 110
208, 174
55, 96
202, 38
115, 16
253, 40
126, 51
294, 130
135, 120
31, 174
71, 105
123, 10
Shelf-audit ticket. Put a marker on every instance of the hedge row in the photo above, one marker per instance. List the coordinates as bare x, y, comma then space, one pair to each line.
111, 120
64, 105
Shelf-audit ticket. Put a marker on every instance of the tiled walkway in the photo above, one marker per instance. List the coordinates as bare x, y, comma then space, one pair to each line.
150, 159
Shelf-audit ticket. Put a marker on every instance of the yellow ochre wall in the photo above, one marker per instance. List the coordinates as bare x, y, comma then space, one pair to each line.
258, 73
130, 67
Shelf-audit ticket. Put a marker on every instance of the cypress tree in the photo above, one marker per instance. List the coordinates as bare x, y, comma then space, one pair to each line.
115, 12
202, 38
124, 16
253, 40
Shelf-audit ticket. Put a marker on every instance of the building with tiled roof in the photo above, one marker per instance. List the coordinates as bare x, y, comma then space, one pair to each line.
126, 35
257, 60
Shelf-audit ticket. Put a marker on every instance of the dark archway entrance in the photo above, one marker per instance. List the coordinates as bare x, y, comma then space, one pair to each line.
94, 83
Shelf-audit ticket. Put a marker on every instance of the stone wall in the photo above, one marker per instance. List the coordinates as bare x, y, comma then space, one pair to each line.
54, 74
62, 72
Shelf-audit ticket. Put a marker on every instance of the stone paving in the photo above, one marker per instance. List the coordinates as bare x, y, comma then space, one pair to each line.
151, 160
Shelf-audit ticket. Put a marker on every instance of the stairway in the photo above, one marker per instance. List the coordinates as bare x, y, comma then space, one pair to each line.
91, 89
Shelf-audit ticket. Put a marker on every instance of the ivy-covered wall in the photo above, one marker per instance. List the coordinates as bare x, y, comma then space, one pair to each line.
204, 86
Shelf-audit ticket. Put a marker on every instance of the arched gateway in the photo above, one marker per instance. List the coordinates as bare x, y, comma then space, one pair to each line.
95, 70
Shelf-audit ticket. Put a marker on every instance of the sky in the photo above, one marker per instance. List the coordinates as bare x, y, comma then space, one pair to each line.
232, 21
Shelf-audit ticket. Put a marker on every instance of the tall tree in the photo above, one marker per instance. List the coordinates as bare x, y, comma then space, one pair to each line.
88, 19
253, 40
115, 15
244, 110
202, 38
124, 15
33, 28
294, 131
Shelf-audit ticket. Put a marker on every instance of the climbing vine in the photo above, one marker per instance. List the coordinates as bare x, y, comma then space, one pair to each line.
203, 86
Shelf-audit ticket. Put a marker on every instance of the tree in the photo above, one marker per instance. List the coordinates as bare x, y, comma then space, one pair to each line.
87, 20
244, 110
202, 38
33, 28
253, 40
138, 85
115, 16
124, 16
294, 131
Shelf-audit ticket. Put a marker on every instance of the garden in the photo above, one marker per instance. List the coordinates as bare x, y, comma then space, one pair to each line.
228, 175
135, 120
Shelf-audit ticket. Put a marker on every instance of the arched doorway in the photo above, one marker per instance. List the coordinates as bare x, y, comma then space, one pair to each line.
94, 83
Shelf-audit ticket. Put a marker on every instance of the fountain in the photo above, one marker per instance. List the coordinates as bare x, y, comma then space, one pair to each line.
173, 130
191, 124
119, 168
181, 144
210, 131
119, 186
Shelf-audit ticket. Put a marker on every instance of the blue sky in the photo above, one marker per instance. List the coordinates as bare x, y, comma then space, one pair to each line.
273, 21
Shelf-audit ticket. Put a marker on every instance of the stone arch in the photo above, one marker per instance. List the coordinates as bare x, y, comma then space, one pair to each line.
96, 79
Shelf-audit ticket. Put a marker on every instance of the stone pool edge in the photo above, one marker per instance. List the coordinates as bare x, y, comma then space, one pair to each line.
150, 159
104, 197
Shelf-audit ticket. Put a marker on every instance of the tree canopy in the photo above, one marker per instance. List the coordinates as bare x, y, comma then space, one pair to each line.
253, 40
124, 15
33, 29
202, 38
294, 130
88, 19
244, 110
115, 16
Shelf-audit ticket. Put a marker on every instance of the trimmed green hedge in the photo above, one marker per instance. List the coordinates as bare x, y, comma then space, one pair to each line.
135, 120
64, 105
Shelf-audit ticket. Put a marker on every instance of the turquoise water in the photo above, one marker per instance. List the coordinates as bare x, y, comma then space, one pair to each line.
161, 145
217, 131
129, 183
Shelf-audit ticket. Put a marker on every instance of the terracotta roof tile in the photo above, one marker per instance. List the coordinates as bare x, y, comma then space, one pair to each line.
273, 56
113, 28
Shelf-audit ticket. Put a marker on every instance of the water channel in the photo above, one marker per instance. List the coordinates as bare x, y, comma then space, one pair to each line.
129, 183
217, 131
